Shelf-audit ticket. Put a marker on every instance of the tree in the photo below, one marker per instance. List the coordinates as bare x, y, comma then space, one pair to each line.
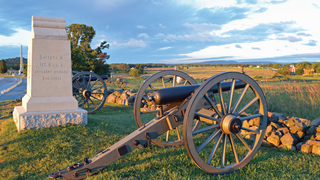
83, 58
25, 68
270, 65
134, 73
140, 68
3, 67
276, 66
123, 67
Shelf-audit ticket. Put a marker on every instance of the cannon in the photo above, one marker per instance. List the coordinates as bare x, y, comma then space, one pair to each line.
90, 90
209, 119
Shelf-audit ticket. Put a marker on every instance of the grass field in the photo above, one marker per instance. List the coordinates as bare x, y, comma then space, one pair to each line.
33, 154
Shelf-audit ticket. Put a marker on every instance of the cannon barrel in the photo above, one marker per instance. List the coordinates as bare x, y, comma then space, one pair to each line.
93, 78
179, 93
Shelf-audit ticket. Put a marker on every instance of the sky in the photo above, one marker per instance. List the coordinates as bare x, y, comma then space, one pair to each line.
178, 31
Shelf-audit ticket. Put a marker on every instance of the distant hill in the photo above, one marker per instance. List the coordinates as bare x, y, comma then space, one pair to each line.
14, 63
235, 62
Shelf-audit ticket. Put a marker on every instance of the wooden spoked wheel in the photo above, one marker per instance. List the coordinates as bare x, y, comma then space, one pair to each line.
219, 145
89, 90
145, 109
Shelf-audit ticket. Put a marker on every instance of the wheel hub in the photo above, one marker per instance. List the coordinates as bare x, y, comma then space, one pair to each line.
230, 124
86, 93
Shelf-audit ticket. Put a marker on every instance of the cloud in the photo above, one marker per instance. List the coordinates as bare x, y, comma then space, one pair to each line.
107, 27
143, 35
289, 38
303, 34
238, 46
256, 48
140, 27
159, 34
312, 43
203, 36
203, 26
131, 43
165, 41
164, 48
222, 15
20, 36
162, 26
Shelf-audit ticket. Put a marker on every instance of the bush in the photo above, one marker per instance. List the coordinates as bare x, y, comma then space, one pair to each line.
134, 73
257, 77
283, 72
299, 72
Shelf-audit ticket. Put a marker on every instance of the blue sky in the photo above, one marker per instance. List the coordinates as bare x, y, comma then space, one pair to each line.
178, 31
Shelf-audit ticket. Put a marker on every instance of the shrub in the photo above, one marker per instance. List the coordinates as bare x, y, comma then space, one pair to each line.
134, 73
299, 72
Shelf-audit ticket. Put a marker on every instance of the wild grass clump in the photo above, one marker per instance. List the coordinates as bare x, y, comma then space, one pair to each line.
292, 98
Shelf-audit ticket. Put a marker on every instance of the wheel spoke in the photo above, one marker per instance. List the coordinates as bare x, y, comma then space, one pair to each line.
223, 153
231, 96
163, 84
94, 83
76, 87
167, 136
79, 83
88, 104
96, 98
185, 82
93, 103
208, 140
250, 117
152, 87
239, 99
251, 130
178, 134
97, 93
97, 88
80, 101
174, 81
213, 106
233, 148
220, 92
205, 129
243, 142
84, 101
214, 149
198, 123
246, 106
208, 117
89, 81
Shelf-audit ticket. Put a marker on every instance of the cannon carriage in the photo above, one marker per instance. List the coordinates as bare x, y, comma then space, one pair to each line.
209, 119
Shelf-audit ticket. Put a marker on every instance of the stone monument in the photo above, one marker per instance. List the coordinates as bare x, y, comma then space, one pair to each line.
49, 101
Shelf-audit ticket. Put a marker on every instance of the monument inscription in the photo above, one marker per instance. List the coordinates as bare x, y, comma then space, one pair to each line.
49, 101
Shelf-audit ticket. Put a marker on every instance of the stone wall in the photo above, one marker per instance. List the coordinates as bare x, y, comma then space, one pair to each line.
293, 133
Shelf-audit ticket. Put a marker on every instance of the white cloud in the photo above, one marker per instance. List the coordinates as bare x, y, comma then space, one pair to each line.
159, 34
140, 27
21, 36
131, 43
162, 26
143, 35
164, 48
165, 41
191, 37
107, 27
203, 26
268, 49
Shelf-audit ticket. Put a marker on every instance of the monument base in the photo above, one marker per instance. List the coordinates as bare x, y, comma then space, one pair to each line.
34, 120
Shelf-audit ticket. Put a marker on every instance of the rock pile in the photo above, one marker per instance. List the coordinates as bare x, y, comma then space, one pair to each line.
291, 132
123, 97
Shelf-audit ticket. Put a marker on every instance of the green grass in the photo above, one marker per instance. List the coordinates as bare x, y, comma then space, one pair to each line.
33, 154
24, 77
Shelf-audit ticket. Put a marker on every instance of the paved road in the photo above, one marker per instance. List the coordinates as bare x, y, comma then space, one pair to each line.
7, 82
15, 93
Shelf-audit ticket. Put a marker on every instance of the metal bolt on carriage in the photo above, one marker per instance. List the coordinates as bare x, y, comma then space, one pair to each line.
207, 118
